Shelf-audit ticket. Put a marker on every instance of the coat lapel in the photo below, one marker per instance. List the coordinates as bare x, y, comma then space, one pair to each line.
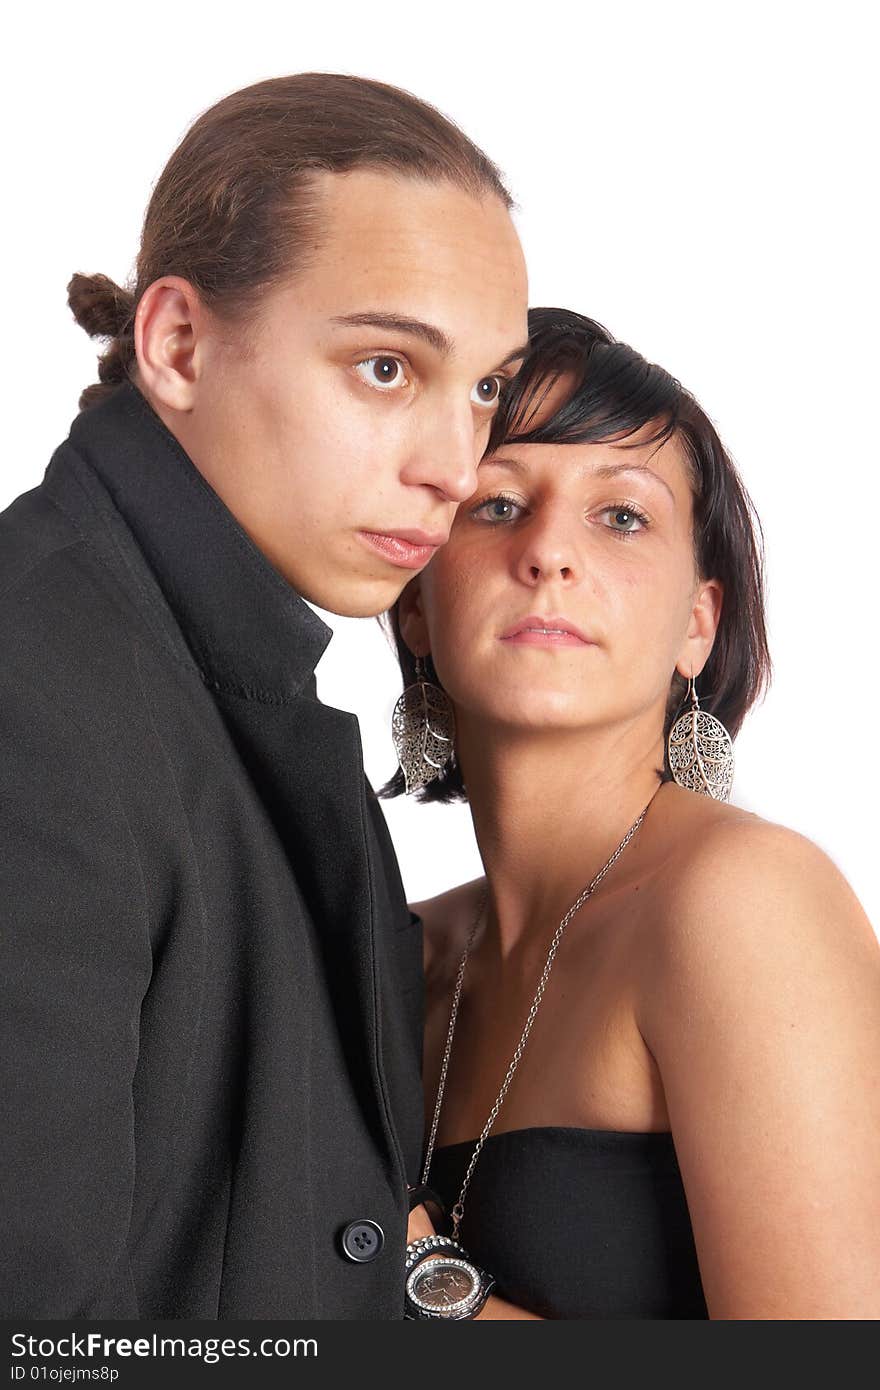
305, 759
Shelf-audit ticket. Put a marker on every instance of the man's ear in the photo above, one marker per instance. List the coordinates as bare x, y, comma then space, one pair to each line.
168, 330
702, 627
413, 628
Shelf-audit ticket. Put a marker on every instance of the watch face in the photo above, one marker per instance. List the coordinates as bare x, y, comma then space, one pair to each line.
443, 1286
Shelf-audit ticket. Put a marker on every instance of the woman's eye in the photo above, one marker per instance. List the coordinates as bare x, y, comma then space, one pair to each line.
498, 509
487, 391
625, 519
385, 372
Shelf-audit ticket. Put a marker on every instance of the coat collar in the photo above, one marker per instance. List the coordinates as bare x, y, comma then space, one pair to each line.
247, 628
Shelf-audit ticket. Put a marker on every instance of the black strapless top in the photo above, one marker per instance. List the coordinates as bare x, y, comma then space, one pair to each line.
578, 1223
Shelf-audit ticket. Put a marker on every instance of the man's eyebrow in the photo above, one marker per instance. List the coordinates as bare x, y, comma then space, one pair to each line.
428, 332
512, 356
400, 323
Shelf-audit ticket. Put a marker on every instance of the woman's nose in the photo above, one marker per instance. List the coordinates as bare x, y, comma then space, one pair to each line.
549, 551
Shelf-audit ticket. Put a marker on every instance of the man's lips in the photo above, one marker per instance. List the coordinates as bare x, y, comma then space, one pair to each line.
409, 549
540, 631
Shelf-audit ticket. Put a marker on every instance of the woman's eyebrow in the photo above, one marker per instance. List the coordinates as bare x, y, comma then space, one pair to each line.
610, 470
500, 461
602, 470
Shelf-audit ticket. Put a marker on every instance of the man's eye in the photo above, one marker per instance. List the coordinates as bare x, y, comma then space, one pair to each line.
385, 372
487, 390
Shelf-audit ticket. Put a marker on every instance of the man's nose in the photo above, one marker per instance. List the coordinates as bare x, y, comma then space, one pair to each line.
447, 459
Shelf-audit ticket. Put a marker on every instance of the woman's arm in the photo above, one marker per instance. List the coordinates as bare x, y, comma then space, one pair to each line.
446, 923
761, 1007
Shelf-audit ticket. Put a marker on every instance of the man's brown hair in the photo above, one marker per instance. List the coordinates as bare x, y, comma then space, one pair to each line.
234, 210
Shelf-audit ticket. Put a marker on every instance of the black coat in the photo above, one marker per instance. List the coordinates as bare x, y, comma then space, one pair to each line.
211, 992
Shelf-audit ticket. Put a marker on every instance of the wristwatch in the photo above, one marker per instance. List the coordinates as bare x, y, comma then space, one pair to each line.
442, 1281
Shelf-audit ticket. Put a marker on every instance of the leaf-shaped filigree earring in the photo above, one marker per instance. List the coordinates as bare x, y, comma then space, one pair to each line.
423, 729
701, 751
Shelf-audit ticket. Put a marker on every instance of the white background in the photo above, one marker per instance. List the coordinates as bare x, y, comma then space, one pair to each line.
697, 177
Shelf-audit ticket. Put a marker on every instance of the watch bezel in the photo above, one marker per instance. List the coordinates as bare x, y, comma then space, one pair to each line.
463, 1306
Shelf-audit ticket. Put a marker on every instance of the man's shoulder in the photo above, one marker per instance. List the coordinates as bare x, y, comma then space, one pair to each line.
61, 600
70, 626
36, 538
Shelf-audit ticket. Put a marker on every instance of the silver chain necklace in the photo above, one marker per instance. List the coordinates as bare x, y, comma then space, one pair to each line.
458, 1210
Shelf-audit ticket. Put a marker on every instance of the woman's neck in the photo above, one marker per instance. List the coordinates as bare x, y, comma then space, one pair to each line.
549, 808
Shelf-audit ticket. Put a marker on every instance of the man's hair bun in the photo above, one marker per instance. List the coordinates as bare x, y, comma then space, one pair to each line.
99, 305
104, 310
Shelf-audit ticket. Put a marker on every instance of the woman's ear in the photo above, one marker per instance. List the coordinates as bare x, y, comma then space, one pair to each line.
413, 628
702, 627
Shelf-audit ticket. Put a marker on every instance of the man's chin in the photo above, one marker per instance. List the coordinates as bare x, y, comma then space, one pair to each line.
357, 598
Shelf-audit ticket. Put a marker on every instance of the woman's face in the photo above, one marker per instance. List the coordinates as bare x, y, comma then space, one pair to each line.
567, 593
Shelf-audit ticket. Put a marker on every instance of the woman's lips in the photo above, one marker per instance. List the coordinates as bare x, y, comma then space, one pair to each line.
535, 631
410, 550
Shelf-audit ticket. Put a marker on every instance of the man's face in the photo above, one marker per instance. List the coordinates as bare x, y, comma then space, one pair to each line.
346, 434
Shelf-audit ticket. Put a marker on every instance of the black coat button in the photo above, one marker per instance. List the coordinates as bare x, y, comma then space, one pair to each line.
362, 1240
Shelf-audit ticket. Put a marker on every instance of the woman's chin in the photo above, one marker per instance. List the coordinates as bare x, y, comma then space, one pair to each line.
535, 711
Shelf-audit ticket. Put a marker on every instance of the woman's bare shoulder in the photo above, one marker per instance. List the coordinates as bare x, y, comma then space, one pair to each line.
744, 854
760, 1004
447, 920
734, 882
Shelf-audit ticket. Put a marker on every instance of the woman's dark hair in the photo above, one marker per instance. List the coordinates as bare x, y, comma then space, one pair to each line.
233, 210
616, 393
